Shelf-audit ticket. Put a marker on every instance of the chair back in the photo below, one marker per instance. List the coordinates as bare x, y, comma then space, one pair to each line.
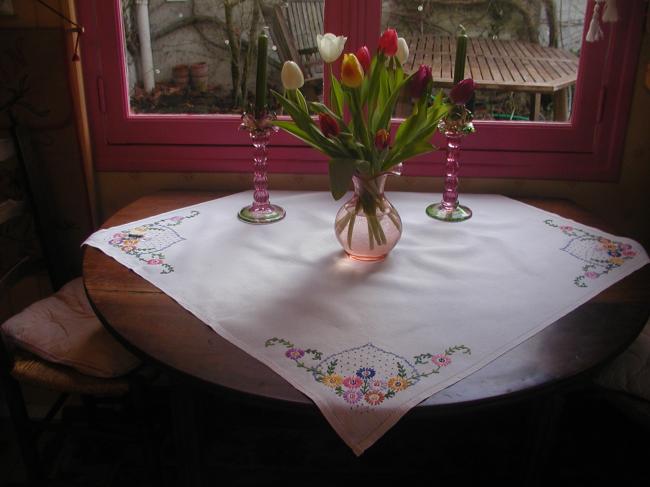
295, 26
38, 197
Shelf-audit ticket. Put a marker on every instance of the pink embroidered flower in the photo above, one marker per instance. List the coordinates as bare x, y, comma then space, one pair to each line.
629, 253
353, 382
378, 384
591, 275
352, 396
374, 397
441, 360
154, 261
295, 353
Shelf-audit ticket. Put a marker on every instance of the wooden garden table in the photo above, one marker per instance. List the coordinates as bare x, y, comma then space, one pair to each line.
501, 65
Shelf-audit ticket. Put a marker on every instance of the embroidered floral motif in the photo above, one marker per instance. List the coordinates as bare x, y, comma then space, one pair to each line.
365, 377
147, 241
600, 254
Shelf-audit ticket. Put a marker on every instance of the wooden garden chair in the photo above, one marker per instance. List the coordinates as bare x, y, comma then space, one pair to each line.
294, 27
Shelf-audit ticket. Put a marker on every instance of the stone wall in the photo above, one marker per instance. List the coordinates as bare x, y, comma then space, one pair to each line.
187, 32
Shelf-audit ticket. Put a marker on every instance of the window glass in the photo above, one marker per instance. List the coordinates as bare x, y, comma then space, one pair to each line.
196, 56
522, 53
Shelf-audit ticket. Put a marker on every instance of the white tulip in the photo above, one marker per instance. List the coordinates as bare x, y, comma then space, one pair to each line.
292, 78
330, 46
402, 50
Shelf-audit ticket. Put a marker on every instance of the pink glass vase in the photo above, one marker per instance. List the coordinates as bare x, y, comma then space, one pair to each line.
261, 211
368, 226
449, 209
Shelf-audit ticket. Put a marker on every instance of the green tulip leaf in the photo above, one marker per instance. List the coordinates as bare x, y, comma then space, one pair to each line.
340, 173
336, 96
301, 102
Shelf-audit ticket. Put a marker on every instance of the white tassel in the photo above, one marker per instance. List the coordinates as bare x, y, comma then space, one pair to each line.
595, 33
610, 14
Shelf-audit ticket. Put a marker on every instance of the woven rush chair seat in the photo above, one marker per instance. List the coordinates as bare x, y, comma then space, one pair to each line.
34, 371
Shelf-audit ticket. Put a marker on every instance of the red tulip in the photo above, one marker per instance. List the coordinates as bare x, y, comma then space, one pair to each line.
421, 80
388, 42
328, 125
382, 139
462, 92
363, 55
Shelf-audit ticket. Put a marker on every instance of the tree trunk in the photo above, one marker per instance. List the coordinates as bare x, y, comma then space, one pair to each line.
233, 44
250, 49
551, 17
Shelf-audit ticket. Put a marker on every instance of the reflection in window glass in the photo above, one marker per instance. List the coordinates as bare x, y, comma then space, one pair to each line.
200, 59
523, 54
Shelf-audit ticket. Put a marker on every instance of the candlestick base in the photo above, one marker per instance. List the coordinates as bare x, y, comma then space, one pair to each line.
458, 213
261, 215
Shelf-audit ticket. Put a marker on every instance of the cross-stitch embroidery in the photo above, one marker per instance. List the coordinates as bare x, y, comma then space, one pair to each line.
600, 254
367, 376
147, 241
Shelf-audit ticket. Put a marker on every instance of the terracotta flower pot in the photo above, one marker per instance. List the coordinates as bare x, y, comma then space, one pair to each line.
181, 75
199, 73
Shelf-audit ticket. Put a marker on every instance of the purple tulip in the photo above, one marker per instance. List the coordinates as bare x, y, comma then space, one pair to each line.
421, 80
462, 92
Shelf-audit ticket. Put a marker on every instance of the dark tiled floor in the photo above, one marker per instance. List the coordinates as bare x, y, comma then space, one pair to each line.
594, 444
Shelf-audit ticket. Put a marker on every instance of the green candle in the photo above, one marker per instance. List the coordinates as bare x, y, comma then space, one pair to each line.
260, 91
461, 54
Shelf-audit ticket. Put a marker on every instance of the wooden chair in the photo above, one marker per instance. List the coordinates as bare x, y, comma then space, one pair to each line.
294, 27
625, 381
19, 367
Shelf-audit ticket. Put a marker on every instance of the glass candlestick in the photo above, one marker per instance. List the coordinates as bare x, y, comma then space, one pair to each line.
449, 209
261, 211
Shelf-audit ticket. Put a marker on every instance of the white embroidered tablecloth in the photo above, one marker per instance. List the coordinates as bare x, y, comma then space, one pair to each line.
368, 341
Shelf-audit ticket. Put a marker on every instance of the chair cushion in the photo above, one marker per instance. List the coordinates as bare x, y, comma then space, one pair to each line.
630, 371
64, 329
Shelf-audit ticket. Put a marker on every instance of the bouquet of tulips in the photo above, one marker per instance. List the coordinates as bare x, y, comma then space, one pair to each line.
354, 130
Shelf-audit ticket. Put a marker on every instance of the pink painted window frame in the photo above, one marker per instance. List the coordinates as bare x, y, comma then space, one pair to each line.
589, 147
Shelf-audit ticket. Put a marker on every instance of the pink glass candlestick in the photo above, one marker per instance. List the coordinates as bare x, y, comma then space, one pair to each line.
261, 211
449, 209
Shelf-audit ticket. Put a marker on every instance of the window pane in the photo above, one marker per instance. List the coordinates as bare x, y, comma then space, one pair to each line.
522, 53
200, 59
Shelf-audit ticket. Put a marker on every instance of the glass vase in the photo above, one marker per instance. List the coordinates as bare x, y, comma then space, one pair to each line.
449, 209
368, 226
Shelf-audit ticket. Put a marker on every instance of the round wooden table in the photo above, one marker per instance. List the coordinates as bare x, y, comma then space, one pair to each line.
154, 326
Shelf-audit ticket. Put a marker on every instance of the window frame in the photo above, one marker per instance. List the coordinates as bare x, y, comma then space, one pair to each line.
588, 147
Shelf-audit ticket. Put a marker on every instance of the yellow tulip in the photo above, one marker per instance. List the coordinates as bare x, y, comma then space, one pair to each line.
351, 71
